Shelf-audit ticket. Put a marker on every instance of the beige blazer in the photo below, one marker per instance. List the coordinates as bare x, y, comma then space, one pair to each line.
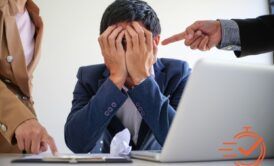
16, 105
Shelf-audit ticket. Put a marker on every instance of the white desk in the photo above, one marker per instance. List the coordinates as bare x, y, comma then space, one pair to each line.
5, 160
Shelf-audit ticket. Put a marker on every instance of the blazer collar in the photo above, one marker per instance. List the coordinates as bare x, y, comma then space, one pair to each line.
13, 10
160, 75
34, 14
16, 50
30, 5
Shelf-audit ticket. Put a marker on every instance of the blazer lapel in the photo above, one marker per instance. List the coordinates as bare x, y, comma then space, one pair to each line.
37, 21
12, 7
160, 76
16, 51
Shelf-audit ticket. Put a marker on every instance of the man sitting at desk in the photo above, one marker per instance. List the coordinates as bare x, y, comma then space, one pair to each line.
133, 89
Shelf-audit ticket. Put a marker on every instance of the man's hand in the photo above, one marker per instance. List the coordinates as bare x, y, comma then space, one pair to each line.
33, 138
202, 35
139, 52
114, 54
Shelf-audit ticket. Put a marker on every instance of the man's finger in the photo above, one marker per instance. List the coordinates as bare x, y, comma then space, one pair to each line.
100, 40
119, 39
134, 37
27, 144
189, 33
43, 146
112, 37
105, 35
109, 30
155, 50
140, 32
192, 29
196, 43
203, 45
129, 42
20, 143
52, 146
175, 38
196, 26
149, 39
35, 144
197, 35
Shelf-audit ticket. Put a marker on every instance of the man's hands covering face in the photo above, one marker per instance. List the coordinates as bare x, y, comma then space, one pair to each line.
139, 54
114, 54
135, 61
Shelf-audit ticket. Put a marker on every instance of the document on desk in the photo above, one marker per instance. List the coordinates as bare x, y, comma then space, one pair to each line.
74, 158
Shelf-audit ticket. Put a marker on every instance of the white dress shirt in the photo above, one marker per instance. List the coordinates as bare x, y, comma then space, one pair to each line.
26, 30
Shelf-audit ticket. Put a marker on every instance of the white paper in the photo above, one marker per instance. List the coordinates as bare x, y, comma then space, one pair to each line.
120, 144
75, 156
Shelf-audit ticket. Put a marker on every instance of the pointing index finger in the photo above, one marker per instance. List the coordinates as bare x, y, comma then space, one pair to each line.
52, 146
175, 38
50, 142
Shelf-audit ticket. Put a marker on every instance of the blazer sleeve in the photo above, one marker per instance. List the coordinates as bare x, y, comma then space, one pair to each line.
256, 35
156, 109
91, 113
12, 113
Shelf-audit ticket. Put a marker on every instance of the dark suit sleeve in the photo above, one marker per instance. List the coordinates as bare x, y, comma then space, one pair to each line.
156, 109
256, 35
90, 114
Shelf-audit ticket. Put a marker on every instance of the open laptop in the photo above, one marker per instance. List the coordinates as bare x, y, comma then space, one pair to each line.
220, 99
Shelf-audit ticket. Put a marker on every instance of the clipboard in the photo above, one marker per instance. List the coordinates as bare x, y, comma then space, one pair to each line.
72, 159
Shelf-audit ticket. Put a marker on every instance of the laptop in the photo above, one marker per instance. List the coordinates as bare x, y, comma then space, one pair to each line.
222, 103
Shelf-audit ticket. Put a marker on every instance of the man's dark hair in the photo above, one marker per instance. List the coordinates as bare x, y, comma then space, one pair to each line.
131, 10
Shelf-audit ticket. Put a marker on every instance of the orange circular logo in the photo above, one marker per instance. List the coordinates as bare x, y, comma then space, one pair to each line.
234, 150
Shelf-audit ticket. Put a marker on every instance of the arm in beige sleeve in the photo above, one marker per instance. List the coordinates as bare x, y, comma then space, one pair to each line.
12, 113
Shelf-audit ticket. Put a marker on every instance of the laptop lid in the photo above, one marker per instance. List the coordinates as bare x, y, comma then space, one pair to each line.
219, 101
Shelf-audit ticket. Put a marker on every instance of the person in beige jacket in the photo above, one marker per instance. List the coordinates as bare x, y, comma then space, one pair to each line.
19, 129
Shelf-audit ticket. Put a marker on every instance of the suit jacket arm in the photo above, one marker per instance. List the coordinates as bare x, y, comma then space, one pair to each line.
12, 113
157, 109
91, 113
256, 35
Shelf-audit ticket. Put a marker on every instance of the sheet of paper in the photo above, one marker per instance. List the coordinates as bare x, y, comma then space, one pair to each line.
76, 156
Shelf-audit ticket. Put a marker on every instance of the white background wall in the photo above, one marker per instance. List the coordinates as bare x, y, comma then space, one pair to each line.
70, 41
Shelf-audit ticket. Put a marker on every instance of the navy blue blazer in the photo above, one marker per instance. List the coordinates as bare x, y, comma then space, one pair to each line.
92, 122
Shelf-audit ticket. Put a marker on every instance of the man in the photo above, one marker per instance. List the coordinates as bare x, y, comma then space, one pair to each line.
245, 37
133, 89
20, 40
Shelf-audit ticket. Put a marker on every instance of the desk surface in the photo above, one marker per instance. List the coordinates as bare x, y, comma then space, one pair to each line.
5, 160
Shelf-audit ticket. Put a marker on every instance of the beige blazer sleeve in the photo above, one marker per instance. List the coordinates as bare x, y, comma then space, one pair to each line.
12, 111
